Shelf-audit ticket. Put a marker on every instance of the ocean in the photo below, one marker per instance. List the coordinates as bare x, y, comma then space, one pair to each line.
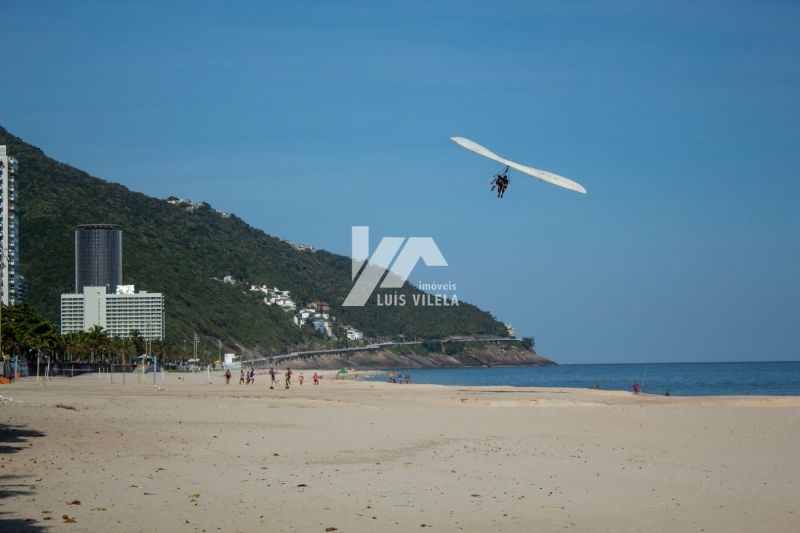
679, 379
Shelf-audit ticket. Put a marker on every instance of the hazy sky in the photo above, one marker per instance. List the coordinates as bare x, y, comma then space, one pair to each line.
681, 118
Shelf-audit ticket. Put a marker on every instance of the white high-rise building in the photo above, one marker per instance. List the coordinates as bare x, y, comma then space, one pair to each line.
118, 314
9, 232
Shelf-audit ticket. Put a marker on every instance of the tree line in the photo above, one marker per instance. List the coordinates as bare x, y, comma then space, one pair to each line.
26, 333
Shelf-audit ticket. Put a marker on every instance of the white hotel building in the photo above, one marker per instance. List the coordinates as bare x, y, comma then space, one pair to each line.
118, 314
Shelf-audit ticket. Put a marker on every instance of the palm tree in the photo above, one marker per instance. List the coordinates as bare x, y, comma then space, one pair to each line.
97, 340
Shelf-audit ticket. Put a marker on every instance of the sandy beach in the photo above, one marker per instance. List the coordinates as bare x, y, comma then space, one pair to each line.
86, 454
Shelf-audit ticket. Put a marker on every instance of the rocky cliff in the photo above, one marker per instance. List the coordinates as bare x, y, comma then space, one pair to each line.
391, 359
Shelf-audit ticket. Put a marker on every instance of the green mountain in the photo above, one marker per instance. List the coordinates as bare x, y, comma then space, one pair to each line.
185, 254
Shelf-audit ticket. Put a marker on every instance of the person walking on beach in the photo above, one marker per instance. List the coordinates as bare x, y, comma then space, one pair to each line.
300, 378
227, 376
315, 377
272, 378
241, 377
636, 388
288, 377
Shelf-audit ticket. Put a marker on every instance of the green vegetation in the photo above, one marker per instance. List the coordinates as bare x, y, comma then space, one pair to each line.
528, 343
27, 333
185, 255
455, 347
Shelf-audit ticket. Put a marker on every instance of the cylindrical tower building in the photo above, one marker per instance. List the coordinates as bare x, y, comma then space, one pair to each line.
98, 257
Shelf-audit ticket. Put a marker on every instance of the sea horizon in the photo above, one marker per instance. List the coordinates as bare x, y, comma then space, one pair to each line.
756, 378
680, 362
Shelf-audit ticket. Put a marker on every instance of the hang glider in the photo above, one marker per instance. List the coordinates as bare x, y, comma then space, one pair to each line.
498, 180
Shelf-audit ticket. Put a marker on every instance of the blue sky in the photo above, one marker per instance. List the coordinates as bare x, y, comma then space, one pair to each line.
679, 117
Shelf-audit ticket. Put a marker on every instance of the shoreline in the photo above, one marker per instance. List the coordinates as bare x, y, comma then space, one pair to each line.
361, 455
182, 379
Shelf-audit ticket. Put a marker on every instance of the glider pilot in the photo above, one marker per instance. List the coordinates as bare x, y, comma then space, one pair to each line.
500, 182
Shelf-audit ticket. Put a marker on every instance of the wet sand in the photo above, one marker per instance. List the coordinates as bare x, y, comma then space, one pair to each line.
373, 456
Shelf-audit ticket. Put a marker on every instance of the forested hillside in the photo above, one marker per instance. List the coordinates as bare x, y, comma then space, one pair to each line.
185, 254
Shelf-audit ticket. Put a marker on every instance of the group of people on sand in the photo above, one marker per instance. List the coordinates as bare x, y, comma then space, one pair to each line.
399, 378
250, 377
287, 378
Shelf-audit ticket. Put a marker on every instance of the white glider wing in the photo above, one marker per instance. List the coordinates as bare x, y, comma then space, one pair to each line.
549, 177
